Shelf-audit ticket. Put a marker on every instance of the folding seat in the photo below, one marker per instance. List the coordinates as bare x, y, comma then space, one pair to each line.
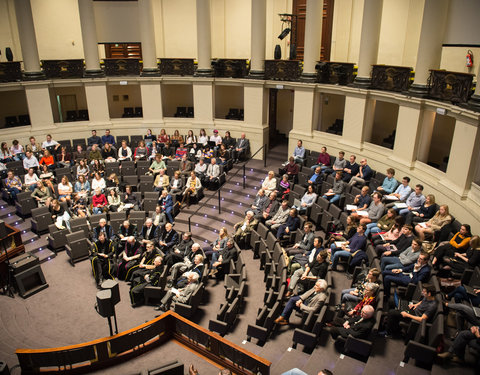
78, 247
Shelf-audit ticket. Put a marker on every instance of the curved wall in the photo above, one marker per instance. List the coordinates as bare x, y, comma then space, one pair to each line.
414, 124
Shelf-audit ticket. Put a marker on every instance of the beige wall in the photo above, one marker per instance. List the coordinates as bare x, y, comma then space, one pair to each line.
13, 103
227, 97
285, 100
174, 96
9, 30
117, 22
332, 107
384, 122
116, 107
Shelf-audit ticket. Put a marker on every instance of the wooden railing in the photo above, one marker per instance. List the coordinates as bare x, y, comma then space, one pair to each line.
122, 67
63, 68
230, 68
455, 87
10, 71
14, 246
177, 67
335, 73
282, 70
391, 78
93, 355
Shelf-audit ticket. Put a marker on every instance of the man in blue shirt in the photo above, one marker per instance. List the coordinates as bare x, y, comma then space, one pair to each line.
414, 200
94, 140
299, 153
107, 138
357, 242
389, 183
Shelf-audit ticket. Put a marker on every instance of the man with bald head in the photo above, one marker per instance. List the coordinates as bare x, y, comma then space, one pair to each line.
359, 326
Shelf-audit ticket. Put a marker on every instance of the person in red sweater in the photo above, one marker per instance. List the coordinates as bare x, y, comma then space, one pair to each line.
99, 202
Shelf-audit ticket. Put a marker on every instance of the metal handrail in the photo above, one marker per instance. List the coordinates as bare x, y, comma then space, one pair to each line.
264, 147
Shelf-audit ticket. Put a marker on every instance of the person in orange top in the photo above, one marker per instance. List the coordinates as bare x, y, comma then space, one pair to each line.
458, 244
48, 160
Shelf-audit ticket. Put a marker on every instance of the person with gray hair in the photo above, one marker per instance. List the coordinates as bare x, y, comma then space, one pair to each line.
309, 301
358, 326
193, 261
102, 227
181, 295
242, 228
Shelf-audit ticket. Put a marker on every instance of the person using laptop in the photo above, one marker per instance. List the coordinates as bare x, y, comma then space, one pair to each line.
422, 310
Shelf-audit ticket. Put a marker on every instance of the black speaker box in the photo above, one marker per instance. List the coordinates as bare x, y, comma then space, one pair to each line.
104, 303
30, 281
112, 285
277, 54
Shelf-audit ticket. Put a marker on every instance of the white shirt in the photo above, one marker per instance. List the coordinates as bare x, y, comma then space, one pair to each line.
30, 162
203, 139
46, 144
100, 184
216, 138
30, 180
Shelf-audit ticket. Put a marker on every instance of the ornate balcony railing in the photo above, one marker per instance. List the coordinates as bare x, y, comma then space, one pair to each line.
391, 78
230, 68
176, 67
63, 68
455, 87
122, 67
10, 71
335, 73
282, 70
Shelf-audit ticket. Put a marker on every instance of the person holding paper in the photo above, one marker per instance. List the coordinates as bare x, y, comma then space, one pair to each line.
384, 224
362, 200
357, 242
336, 192
441, 218
373, 213
398, 245
401, 192
414, 200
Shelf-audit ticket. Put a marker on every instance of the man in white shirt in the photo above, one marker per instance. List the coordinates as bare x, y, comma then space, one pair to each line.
50, 143
216, 138
30, 161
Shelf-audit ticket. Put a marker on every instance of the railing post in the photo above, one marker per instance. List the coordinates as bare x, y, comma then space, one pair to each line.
244, 176
219, 202
189, 225
264, 156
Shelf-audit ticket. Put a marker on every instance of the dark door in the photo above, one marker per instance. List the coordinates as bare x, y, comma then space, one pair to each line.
300, 9
123, 51
272, 117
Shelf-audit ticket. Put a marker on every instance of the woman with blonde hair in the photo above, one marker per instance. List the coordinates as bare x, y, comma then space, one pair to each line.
424, 213
440, 219
217, 245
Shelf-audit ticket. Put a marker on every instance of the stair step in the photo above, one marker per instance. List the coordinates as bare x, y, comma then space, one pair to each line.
29, 237
44, 255
3, 204
33, 246
13, 220
23, 226
7, 211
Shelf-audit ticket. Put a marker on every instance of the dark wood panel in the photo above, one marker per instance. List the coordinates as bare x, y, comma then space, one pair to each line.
123, 51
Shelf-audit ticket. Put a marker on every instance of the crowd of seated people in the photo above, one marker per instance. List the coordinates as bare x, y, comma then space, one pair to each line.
411, 240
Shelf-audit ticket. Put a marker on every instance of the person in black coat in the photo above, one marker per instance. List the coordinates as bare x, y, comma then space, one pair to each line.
126, 230
168, 239
146, 264
291, 225
149, 233
179, 250
358, 326
102, 227
130, 255
220, 263
139, 283
102, 253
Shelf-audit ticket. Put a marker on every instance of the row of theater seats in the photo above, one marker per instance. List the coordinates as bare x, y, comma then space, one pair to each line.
132, 112
235, 292
80, 115
12, 121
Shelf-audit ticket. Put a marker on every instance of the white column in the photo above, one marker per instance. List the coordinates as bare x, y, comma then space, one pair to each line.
147, 34
313, 39
372, 18
204, 42
28, 40
430, 44
89, 38
259, 15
